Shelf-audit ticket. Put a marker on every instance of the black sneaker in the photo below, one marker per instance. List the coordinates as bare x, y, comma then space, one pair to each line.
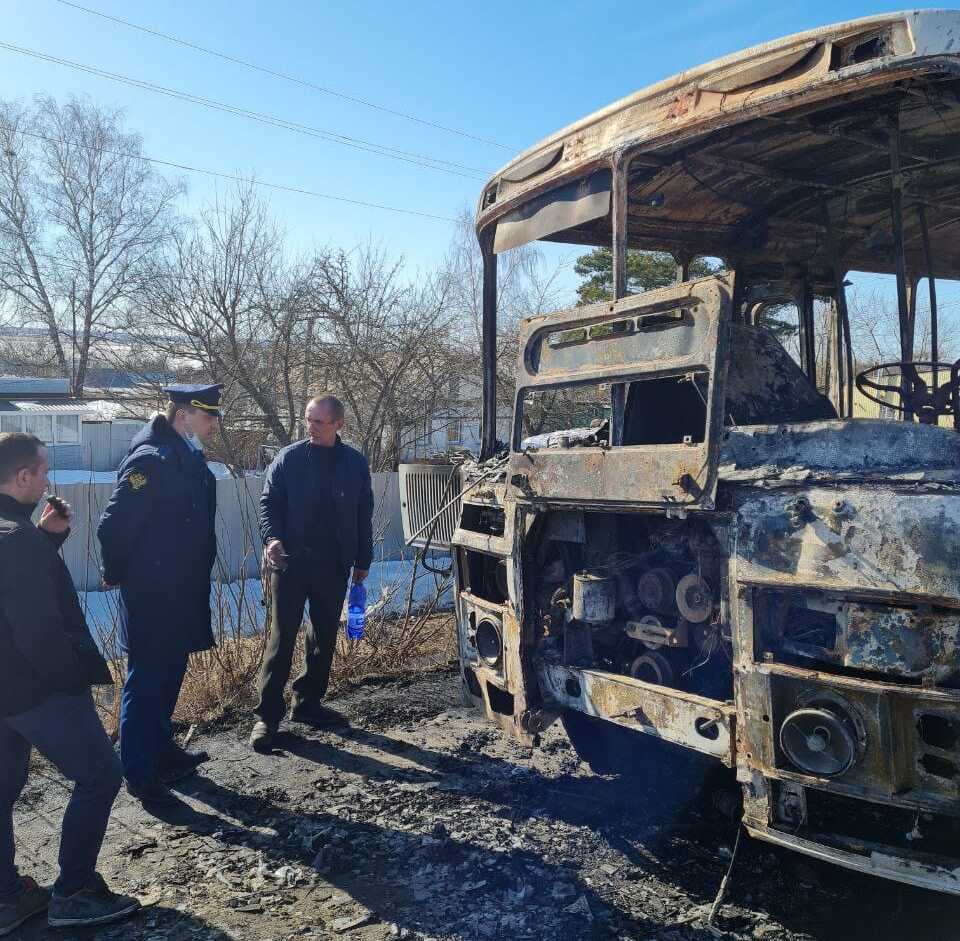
261, 738
177, 763
153, 793
319, 716
32, 900
94, 904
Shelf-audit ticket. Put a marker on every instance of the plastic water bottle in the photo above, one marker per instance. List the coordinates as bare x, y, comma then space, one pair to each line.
356, 608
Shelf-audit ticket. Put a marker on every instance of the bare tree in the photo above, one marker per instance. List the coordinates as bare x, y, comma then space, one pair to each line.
384, 344
526, 286
226, 303
81, 215
875, 328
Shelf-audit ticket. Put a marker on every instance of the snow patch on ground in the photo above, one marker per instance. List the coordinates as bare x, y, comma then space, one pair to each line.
61, 477
240, 603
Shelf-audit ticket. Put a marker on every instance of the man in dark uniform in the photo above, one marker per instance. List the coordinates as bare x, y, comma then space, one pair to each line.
158, 543
316, 519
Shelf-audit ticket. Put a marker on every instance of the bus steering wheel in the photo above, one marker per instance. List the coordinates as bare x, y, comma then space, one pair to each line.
915, 395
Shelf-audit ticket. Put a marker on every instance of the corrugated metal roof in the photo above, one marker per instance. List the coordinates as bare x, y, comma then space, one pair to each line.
69, 407
11, 386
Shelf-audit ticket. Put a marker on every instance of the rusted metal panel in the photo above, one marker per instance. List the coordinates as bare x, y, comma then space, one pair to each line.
845, 451
900, 868
876, 541
908, 748
901, 641
661, 475
704, 725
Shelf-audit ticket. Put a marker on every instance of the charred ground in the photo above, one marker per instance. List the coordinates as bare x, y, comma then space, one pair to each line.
422, 821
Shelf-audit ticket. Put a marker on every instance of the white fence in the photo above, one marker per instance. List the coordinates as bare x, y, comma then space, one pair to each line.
238, 537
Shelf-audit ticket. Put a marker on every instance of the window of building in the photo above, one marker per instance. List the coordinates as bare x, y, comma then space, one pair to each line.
68, 429
11, 423
39, 425
453, 430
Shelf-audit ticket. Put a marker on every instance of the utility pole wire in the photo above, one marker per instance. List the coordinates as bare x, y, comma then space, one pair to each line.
283, 75
383, 150
235, 178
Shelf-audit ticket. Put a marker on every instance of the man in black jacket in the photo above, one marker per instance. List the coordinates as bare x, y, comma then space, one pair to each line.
48, 661
316, 520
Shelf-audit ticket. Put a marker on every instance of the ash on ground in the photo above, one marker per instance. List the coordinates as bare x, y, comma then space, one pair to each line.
422, 821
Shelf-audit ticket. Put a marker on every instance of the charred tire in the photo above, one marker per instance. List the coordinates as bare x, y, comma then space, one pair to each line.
606, 747
696, 781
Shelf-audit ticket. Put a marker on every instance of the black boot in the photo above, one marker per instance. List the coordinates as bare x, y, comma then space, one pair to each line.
153, 793
177, 763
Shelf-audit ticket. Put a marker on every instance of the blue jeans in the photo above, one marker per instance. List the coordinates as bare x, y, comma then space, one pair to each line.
154, 678
66, 730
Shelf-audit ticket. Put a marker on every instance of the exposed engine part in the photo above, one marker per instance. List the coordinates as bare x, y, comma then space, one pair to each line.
648, 630
489, 642
609, 602
652, 667
694, 598
594, 598
819, 740
656, 590
577, 644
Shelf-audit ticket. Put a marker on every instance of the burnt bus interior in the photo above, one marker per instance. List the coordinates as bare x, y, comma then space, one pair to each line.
867, 181
791, 202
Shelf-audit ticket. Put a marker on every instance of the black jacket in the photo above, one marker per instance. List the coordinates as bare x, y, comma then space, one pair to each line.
45, 644
286, 492
158, 542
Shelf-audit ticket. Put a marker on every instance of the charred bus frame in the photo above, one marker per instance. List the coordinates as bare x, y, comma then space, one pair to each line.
728, 561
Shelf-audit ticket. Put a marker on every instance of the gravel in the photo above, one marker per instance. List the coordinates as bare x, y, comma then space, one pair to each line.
423, 821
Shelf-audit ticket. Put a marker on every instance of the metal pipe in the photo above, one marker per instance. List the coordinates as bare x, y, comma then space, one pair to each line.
808, 352
620, 195
844, 364
848, 345
618, 224
932, 288
896, 224
488, 433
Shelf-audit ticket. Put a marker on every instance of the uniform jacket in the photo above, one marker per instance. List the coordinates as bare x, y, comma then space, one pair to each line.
286, 492
45, 644
158, 542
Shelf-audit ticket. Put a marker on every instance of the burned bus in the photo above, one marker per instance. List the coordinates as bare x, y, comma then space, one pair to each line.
689, 539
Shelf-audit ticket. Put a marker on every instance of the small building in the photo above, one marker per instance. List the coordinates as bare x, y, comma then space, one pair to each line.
76, 432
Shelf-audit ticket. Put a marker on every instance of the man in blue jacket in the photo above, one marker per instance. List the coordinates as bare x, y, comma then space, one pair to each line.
158, 543
316, 520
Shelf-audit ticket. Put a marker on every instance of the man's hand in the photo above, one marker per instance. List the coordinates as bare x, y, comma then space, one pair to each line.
52, 522
359, 575
107, 586
276, 554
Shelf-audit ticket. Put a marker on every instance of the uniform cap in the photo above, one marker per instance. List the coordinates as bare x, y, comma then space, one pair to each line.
205, 397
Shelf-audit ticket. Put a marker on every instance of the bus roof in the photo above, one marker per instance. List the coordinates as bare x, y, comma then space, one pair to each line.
748, 155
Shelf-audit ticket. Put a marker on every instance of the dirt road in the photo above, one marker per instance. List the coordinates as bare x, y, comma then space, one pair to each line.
421, 821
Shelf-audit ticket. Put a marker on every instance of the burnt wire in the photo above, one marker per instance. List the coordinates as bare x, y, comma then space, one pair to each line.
421, 555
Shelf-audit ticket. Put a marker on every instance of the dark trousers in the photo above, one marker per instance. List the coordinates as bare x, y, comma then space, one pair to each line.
66, 730
154, 678
324, 586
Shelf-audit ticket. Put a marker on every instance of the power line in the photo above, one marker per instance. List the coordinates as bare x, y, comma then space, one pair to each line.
234, 177
383, 150
283, 75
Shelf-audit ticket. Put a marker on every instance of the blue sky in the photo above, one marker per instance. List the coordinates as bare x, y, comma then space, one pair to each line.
509, 72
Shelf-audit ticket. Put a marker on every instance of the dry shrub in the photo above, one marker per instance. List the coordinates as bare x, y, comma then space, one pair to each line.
221, 682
